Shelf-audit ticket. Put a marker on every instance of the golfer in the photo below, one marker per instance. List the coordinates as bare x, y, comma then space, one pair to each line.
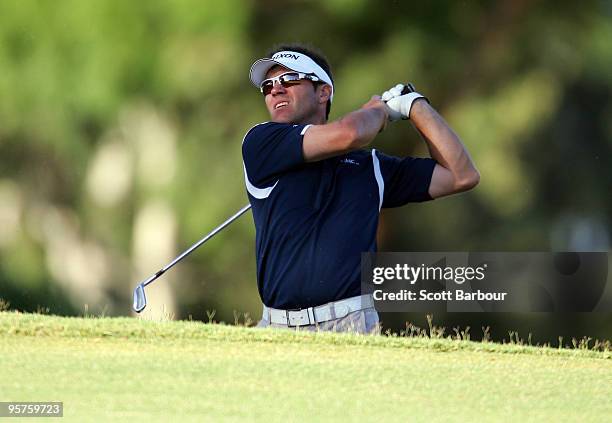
316, 193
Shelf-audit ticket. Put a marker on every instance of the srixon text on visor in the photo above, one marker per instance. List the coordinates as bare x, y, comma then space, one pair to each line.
285, 56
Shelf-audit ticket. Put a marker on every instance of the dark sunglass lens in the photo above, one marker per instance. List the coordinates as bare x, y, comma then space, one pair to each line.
286, 80
289, 79
266, 87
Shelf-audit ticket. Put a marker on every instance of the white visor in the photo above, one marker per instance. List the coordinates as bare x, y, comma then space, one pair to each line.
298, 62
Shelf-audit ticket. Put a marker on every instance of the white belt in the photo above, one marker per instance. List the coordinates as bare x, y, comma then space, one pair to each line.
318, 314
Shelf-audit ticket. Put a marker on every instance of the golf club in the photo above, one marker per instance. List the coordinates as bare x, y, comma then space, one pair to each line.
140, 299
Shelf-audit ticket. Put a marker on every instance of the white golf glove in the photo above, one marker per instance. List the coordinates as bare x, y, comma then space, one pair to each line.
400, 104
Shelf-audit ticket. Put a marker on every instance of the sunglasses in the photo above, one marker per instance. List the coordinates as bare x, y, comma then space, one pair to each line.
286, 79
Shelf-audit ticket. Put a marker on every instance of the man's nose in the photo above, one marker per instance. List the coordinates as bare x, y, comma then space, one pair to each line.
277, 88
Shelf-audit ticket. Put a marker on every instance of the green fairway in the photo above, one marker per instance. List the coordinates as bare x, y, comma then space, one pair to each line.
124, 368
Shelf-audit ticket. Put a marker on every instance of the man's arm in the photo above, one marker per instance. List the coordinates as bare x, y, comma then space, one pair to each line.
455, 171
353, 131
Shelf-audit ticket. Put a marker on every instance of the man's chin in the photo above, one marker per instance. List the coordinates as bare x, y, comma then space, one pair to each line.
281, 116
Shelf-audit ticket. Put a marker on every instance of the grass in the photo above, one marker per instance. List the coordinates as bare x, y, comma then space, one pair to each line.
125, 368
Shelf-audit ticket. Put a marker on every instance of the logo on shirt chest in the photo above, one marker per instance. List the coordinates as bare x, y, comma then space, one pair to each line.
350, 161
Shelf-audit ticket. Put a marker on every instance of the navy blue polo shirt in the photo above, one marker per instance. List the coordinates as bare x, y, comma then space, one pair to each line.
313, 220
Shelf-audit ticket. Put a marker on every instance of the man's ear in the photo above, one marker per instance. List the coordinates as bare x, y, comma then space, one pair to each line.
324, 93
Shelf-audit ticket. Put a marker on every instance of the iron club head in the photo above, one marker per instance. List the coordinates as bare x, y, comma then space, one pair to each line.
140, 299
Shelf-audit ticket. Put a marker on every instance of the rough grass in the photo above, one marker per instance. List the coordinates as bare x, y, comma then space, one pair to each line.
125, 368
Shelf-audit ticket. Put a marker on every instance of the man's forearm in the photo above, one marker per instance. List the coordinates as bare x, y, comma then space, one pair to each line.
353, 131
365, 123
444, 145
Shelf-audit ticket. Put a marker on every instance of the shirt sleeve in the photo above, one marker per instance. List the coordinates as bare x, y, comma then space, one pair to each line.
269, 149
406, 179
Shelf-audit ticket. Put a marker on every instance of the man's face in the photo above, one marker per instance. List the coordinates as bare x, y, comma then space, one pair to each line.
296, 103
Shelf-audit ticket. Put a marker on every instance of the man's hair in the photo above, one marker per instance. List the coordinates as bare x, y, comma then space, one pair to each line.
312, 52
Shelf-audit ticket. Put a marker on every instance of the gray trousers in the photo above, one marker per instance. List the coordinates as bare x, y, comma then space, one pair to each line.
362, 321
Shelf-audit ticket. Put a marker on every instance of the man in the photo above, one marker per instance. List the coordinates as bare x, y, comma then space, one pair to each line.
316, 195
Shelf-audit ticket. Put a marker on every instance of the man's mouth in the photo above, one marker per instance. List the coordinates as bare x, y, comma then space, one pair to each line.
281, 104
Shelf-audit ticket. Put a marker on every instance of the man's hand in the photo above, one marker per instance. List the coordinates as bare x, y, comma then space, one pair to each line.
390, 94
399, 101
393, 92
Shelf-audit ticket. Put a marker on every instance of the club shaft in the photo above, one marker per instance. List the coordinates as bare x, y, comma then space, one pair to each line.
196, 245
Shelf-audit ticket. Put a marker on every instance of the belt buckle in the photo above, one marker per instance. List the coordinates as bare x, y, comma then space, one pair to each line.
287, 313
302, 323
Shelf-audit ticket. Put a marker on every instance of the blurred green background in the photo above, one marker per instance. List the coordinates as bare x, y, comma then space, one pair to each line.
121, 125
